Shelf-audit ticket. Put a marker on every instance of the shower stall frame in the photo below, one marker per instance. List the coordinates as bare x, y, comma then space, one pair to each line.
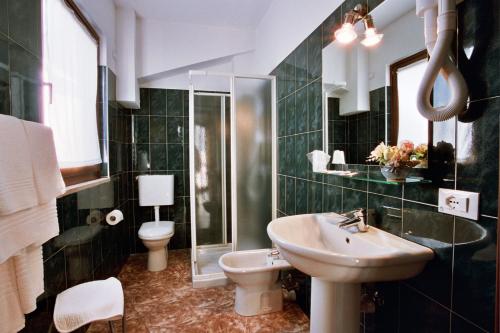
216, 279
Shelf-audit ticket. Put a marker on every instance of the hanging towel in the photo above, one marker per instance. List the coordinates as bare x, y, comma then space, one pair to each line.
48, 180
11, 314
21, 282
28, 265
17, 184
27, 227
30, 181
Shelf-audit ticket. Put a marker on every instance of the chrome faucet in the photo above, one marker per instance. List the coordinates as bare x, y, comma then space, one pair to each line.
356, 218
274, 254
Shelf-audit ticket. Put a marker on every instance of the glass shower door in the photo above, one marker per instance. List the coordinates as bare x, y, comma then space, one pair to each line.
211, 142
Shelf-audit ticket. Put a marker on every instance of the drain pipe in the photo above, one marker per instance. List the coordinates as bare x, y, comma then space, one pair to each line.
440, 28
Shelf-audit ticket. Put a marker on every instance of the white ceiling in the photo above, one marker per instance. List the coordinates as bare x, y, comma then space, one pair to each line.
226, 13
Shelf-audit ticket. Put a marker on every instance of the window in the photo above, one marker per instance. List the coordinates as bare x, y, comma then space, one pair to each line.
71, 48
407, 123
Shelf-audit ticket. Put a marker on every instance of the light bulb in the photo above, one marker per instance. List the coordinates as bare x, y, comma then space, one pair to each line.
372, 38
346, 33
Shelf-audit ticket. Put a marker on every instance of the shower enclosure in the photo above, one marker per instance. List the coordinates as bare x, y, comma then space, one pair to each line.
232, 167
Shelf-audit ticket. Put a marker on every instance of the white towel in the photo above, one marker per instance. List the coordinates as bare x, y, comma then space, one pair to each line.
11, 314
17, 184
28, 265
21, 282
88, 302
48, 180
30, 181
27, 227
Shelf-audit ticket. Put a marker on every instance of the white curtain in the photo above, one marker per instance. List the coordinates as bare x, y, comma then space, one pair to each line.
412, 126
70, 66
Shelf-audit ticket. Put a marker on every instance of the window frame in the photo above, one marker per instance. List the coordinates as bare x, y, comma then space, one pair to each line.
393, 71
77, 175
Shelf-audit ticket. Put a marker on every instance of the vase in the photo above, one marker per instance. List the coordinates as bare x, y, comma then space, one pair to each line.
395, 174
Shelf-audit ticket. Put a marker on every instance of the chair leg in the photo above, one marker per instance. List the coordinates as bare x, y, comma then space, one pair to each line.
111, 327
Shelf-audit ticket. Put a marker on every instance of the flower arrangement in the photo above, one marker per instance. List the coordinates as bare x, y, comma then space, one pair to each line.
406, 155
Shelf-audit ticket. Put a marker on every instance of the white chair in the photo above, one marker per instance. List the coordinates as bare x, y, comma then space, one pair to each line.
89, 302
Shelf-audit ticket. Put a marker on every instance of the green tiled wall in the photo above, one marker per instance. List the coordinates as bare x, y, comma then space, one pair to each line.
160, 146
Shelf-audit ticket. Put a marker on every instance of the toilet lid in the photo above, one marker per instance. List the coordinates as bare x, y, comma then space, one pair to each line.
156, 230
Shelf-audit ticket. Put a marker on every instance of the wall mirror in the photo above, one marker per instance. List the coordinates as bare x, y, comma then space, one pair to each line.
369, 92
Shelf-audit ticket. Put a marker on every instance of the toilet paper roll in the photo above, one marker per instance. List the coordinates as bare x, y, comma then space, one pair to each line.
115, 217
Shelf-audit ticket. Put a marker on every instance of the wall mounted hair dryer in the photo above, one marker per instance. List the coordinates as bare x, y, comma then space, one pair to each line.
440, 29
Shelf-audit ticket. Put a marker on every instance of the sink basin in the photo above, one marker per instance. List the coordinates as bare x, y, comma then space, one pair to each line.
339, 260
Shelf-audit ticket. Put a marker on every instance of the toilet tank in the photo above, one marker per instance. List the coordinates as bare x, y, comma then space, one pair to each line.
156, 190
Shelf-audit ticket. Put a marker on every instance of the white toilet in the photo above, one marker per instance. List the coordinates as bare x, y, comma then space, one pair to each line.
256, 274
156, 190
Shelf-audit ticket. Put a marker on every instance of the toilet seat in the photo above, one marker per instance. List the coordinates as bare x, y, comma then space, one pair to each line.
156, 230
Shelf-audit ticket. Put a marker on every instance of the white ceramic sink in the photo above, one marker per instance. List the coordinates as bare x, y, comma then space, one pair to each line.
339, 260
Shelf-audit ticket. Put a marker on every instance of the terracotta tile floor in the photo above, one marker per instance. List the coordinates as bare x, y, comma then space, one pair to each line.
166, 302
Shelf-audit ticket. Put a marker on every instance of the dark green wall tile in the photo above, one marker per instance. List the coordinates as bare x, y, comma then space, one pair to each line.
301, 64
301, 161
474, 270
315, 197
25, 84
478, 171
141, 157
282, 155
281, 118
145, 102
175, 103
314, 48
332, 199
353, 199
175, 128
185, 102
26, 27
281, 81
158, 102
158, 129
158, 157
141, 129
290, 196
4, 17
424, 225
420, 314
301, 196
289, 64
282, 193
301, 111
175, 157
314, 99
385, 213
290, 114
461, 325
330, 25
4, 76
479, 47
290, 156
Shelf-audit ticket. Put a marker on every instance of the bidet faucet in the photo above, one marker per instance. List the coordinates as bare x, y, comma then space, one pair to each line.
356, 218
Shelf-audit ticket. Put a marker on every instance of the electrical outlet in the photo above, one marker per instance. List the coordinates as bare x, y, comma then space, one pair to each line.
459, 203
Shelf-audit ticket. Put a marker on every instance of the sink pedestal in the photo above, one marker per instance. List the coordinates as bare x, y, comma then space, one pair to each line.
335, 307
